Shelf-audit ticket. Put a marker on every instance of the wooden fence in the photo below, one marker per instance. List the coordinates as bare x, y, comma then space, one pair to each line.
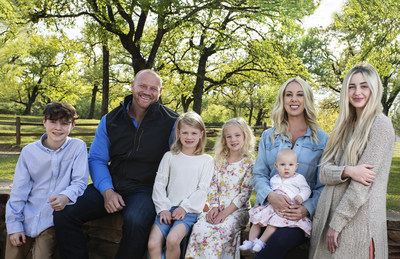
212, 131
18, 134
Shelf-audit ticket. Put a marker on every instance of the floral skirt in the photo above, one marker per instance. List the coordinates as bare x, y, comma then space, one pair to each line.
222, 240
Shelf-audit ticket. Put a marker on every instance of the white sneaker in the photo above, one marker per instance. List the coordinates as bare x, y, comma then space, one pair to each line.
247, 245
258, 245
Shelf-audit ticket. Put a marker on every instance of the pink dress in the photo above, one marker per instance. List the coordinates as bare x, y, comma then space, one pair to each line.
290, 187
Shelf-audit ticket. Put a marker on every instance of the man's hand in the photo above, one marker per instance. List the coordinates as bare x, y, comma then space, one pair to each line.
58, 202
18, 239
113, 202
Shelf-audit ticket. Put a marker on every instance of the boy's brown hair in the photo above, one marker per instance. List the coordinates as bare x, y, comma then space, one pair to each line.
60, 111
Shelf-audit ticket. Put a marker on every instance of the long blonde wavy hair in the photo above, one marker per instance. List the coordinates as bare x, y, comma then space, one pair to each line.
221, 149
279, 115
347, 138
194, 120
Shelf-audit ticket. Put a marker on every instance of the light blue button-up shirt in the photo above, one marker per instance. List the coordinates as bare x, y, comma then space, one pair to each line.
308, 156
42, 173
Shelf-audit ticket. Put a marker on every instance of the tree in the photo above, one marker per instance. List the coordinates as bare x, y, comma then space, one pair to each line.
216, 45
42, 67
366, 31
128, 20
217, 26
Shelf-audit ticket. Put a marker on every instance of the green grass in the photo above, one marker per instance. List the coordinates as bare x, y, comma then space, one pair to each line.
393, 191
8, 167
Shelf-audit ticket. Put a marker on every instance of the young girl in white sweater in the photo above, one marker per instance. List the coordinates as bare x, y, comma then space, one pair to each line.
181, 186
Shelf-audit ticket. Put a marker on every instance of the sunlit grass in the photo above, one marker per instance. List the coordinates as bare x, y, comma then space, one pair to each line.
7, 165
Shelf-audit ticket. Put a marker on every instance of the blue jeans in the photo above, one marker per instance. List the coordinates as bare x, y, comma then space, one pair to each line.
138, 217
279, 244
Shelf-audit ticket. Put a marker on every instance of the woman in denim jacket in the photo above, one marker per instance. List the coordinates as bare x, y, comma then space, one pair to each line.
295, 127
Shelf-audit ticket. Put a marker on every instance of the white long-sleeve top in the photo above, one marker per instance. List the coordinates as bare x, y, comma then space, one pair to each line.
292, 186
183, 181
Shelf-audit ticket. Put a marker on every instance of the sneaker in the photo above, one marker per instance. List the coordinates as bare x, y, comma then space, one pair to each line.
258, 245
247, 245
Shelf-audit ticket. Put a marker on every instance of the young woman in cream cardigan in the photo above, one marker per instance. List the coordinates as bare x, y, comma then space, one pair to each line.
350, 220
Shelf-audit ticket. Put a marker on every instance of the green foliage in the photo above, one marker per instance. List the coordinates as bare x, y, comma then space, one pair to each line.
364, 31
38, 69
214, 113
326, 120
328, 112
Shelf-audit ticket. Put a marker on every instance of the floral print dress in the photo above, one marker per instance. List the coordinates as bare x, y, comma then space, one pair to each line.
231, 183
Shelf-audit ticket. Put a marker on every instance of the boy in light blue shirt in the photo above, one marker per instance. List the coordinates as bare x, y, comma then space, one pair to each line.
50, 174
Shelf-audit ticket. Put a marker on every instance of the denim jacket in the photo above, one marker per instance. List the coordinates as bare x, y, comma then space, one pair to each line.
308, 156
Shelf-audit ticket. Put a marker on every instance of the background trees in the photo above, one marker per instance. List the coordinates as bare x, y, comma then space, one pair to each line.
364, 31
222, 58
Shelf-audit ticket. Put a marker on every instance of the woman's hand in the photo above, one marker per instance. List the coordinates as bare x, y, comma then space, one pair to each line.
331, 240
279, 202
360, 173
212, 214
295, 212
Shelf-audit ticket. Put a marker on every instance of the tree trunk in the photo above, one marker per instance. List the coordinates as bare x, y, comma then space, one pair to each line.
31, 99
259, 118
199, 86
185, 102
93, 99
251, 111
106, 79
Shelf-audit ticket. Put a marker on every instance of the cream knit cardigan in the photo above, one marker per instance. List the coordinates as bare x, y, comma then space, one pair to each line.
356, 211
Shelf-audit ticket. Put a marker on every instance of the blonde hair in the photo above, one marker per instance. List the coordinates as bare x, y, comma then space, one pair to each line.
279, 115
194, 120
347, 138
221, 149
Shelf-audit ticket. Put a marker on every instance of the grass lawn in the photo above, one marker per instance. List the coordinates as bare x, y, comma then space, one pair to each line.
7, 165
393, 191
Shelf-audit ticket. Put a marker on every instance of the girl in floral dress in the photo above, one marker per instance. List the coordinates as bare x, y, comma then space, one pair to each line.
217, 233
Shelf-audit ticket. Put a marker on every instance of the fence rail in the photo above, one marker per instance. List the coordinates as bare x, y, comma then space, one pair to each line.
18, 134
212, 131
